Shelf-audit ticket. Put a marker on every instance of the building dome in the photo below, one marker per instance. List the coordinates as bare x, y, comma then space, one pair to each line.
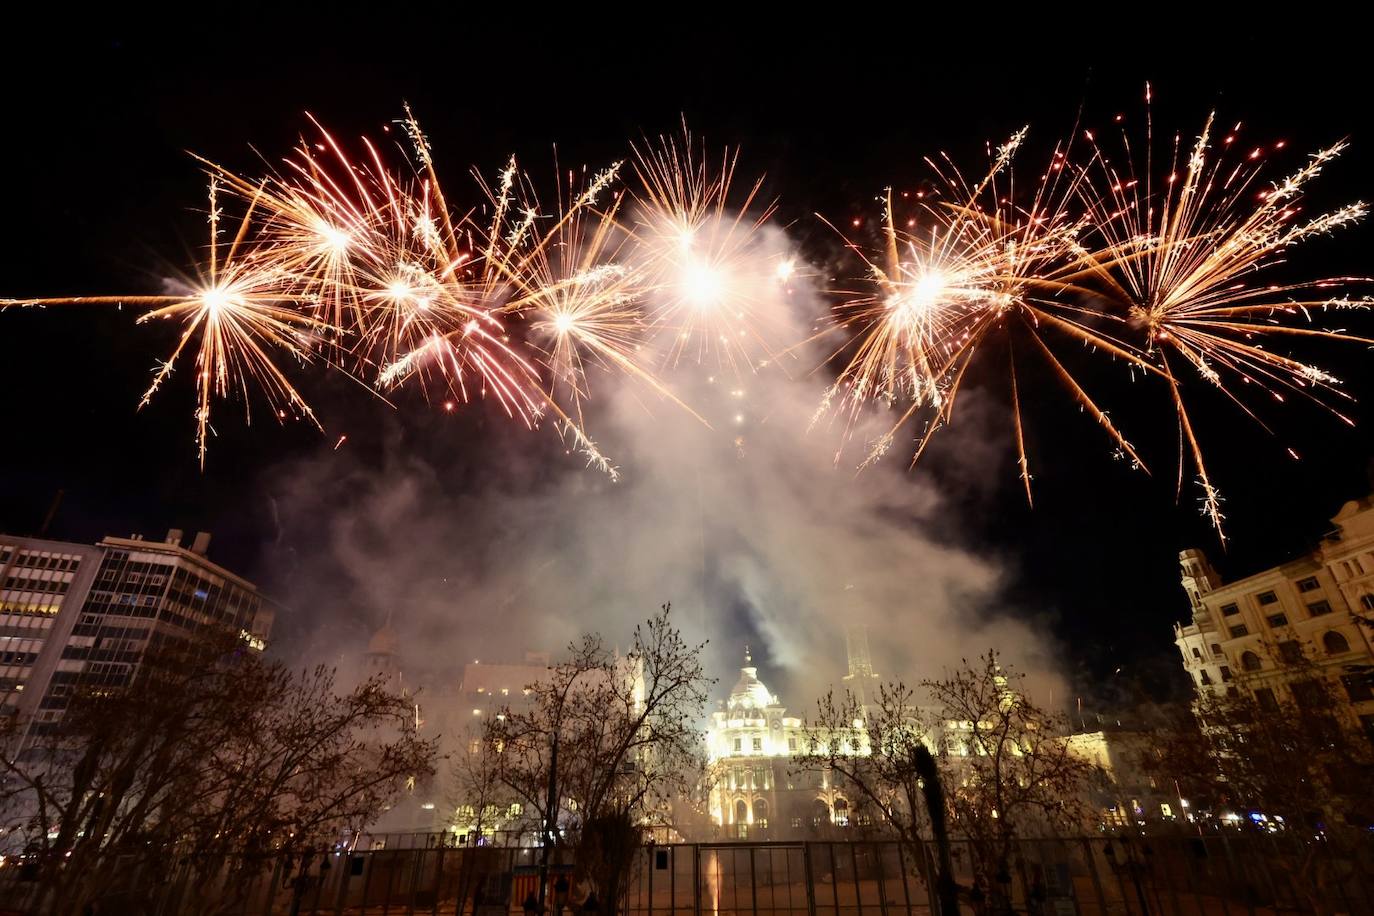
749, 691
384, 641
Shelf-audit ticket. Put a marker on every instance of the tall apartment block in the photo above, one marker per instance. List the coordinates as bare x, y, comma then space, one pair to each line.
86, 614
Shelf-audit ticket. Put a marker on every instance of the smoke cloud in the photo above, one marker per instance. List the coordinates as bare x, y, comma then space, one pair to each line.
750, 526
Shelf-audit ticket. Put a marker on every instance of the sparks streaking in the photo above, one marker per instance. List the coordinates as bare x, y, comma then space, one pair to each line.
1184, 258
1154, 272
363, 266
352, 255
973, 265
710, 291
242, 315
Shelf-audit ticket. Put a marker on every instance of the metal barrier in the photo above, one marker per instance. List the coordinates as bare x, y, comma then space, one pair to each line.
1217, 875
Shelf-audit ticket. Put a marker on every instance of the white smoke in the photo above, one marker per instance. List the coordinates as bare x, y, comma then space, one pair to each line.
750, 527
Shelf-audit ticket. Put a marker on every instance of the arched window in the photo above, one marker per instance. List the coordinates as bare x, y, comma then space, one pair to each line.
841, 812
741, 812
761, 812
1249, 661
820, 814
1334, 643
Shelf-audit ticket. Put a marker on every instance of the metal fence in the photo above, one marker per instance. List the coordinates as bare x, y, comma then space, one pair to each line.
1219, 875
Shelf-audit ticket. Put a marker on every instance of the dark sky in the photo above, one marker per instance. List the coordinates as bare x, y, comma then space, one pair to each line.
100, 196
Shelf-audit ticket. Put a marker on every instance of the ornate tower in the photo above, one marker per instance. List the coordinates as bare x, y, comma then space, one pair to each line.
382, 654
1198, 576
861, 680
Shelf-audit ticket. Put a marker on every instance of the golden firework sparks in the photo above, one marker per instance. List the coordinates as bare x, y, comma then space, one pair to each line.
1187, 256
709, 291
971, 264
236, 315
365, 266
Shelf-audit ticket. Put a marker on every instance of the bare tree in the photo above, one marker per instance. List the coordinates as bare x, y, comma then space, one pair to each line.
483, 802
1282, 742
606, 744
873, 751
208, 754
1007, 770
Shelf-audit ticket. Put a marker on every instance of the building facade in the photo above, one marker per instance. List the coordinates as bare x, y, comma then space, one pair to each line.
74, 614
756, 791
1128, 796
43, 585
1270, 630
456, 711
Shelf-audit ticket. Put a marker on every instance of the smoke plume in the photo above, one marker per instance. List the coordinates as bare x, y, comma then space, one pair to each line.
756, 527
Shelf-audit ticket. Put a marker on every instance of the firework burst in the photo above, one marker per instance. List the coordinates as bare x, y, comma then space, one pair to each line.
1176, 274
240, 316
1187, 259
709, 289
970, 265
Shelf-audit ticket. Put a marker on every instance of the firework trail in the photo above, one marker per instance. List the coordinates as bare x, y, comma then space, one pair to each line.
240, 316
710, 291
1158, 274
360, 263
968, 266
1186, 256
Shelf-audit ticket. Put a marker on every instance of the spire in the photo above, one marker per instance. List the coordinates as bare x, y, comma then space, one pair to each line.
862, 680
384, 641
749, 692
1198, 576
856, 646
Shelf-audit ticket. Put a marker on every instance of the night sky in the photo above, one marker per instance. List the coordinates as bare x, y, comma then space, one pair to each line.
99, 195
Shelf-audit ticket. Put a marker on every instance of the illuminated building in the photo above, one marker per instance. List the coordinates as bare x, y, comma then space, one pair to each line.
76, 614
42, 586
755, 791
861, 681
456, 711
1272, 629
1128, 796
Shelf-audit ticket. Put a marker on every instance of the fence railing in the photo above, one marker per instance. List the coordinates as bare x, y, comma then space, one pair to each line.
1218, 875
